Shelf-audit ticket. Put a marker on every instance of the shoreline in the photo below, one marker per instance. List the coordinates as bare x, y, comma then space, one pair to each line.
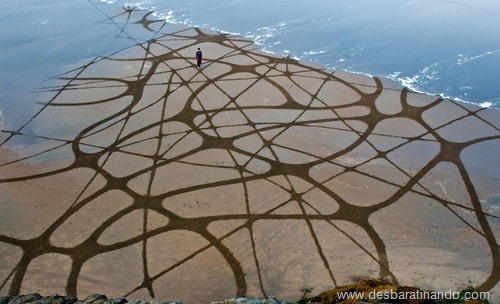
260, 36
244, 177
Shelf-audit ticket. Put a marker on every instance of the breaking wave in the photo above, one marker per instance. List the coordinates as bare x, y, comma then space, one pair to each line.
458, 77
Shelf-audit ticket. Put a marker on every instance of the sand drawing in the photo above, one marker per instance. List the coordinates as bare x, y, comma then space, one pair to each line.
254, 175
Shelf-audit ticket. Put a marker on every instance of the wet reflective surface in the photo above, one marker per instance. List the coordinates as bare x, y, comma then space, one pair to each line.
439, 47
142, 175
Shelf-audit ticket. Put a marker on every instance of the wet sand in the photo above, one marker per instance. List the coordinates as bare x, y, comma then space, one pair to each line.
143, 176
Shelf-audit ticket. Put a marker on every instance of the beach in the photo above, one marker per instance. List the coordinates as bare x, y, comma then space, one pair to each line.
134, 173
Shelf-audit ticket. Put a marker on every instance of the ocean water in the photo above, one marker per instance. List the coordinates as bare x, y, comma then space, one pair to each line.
441, 47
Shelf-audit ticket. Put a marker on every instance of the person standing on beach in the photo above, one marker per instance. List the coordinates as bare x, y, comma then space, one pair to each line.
199, 56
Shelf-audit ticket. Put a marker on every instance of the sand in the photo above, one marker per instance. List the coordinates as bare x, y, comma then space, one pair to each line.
256, 175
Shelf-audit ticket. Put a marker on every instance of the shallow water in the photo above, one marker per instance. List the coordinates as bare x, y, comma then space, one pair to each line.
450, 48
43, 41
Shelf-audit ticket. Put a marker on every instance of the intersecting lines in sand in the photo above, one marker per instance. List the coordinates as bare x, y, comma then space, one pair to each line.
254, 175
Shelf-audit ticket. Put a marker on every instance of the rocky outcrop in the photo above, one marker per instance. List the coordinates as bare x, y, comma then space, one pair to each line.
102, 299
57, 299
368, 287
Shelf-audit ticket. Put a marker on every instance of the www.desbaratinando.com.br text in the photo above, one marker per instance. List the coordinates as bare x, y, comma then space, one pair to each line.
414, 295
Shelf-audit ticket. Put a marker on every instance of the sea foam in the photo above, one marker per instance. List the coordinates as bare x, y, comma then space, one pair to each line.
438, 75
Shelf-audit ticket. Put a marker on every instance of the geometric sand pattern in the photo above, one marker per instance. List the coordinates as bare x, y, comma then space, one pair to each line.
252, 176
